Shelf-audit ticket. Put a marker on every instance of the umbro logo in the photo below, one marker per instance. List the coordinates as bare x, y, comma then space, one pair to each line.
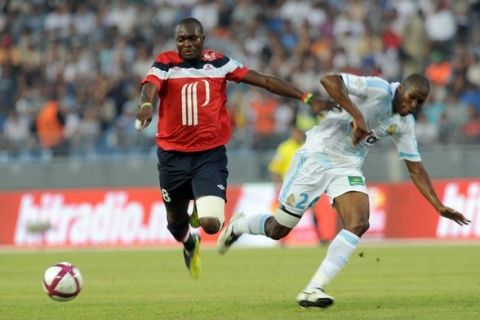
221, 187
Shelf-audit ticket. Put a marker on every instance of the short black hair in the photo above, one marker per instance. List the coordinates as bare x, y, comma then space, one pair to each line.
417, 81
191, 20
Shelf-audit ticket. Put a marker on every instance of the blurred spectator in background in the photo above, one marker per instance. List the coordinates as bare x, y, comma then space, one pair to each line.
16, 131
439, 70
264, 107
454, 116
441, 26
49, 126
471, 128
425, 131
89, 130
414, 54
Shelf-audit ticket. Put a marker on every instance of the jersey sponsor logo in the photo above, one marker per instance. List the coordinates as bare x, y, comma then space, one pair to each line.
356, 181
190, 101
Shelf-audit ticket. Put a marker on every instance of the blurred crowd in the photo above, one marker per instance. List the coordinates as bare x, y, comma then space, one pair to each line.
70, 70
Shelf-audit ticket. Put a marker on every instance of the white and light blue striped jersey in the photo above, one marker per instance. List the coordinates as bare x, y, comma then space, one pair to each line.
330, 140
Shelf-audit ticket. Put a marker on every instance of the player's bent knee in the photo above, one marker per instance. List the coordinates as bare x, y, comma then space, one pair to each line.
277, 232
280, 225
210, 210
210, 225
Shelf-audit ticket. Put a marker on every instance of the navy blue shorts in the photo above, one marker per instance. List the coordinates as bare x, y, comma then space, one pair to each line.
185, 176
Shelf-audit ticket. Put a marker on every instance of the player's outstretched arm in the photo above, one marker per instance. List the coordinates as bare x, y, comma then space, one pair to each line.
333, 84
145, 105
421, 179
286, 89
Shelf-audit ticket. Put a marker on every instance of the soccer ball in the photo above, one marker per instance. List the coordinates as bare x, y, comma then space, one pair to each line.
62, 281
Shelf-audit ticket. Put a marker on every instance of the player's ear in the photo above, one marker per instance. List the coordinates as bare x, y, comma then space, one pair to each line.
401, 89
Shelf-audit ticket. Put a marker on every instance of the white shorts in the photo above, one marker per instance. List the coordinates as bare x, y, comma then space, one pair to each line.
307, 179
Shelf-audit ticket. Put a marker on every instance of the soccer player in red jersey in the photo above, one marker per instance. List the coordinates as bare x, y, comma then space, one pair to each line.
193, 129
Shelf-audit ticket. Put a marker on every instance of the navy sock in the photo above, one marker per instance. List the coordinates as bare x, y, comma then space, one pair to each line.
189, 244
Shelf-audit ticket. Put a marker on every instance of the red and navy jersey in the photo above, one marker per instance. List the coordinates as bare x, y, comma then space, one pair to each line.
192, 115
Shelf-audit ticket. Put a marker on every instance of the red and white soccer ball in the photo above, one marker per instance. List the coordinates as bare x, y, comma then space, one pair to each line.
62, 281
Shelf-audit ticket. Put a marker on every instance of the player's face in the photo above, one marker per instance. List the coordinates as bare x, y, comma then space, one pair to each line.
189, 39
409, 100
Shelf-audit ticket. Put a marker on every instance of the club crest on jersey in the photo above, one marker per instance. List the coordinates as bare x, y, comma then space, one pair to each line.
359, 83
392, 129
290, 200
208, 67
209, 56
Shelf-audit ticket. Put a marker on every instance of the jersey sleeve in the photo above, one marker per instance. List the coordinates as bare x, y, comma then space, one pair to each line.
158, 72
406, 142
355, 85
372, 87
235, 70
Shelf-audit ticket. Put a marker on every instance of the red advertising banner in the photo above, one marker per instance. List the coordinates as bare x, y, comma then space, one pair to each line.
136, 216
411, 216
83, 217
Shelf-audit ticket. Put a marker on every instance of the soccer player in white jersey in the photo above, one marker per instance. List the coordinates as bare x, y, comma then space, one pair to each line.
329, 162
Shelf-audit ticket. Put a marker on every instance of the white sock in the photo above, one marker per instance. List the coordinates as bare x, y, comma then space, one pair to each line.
251, 224
338, 253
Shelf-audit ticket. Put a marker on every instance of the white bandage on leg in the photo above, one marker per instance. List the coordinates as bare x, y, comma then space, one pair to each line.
286, 219
211, 207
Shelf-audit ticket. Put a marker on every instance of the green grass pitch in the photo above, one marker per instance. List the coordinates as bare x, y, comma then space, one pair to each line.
380, 282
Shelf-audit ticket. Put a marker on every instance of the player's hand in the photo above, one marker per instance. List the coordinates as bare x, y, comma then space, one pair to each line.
360, 131
319, 105
454, 215
144, 116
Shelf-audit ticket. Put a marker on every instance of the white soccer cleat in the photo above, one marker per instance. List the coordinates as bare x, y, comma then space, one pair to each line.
315, 297
227, 237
